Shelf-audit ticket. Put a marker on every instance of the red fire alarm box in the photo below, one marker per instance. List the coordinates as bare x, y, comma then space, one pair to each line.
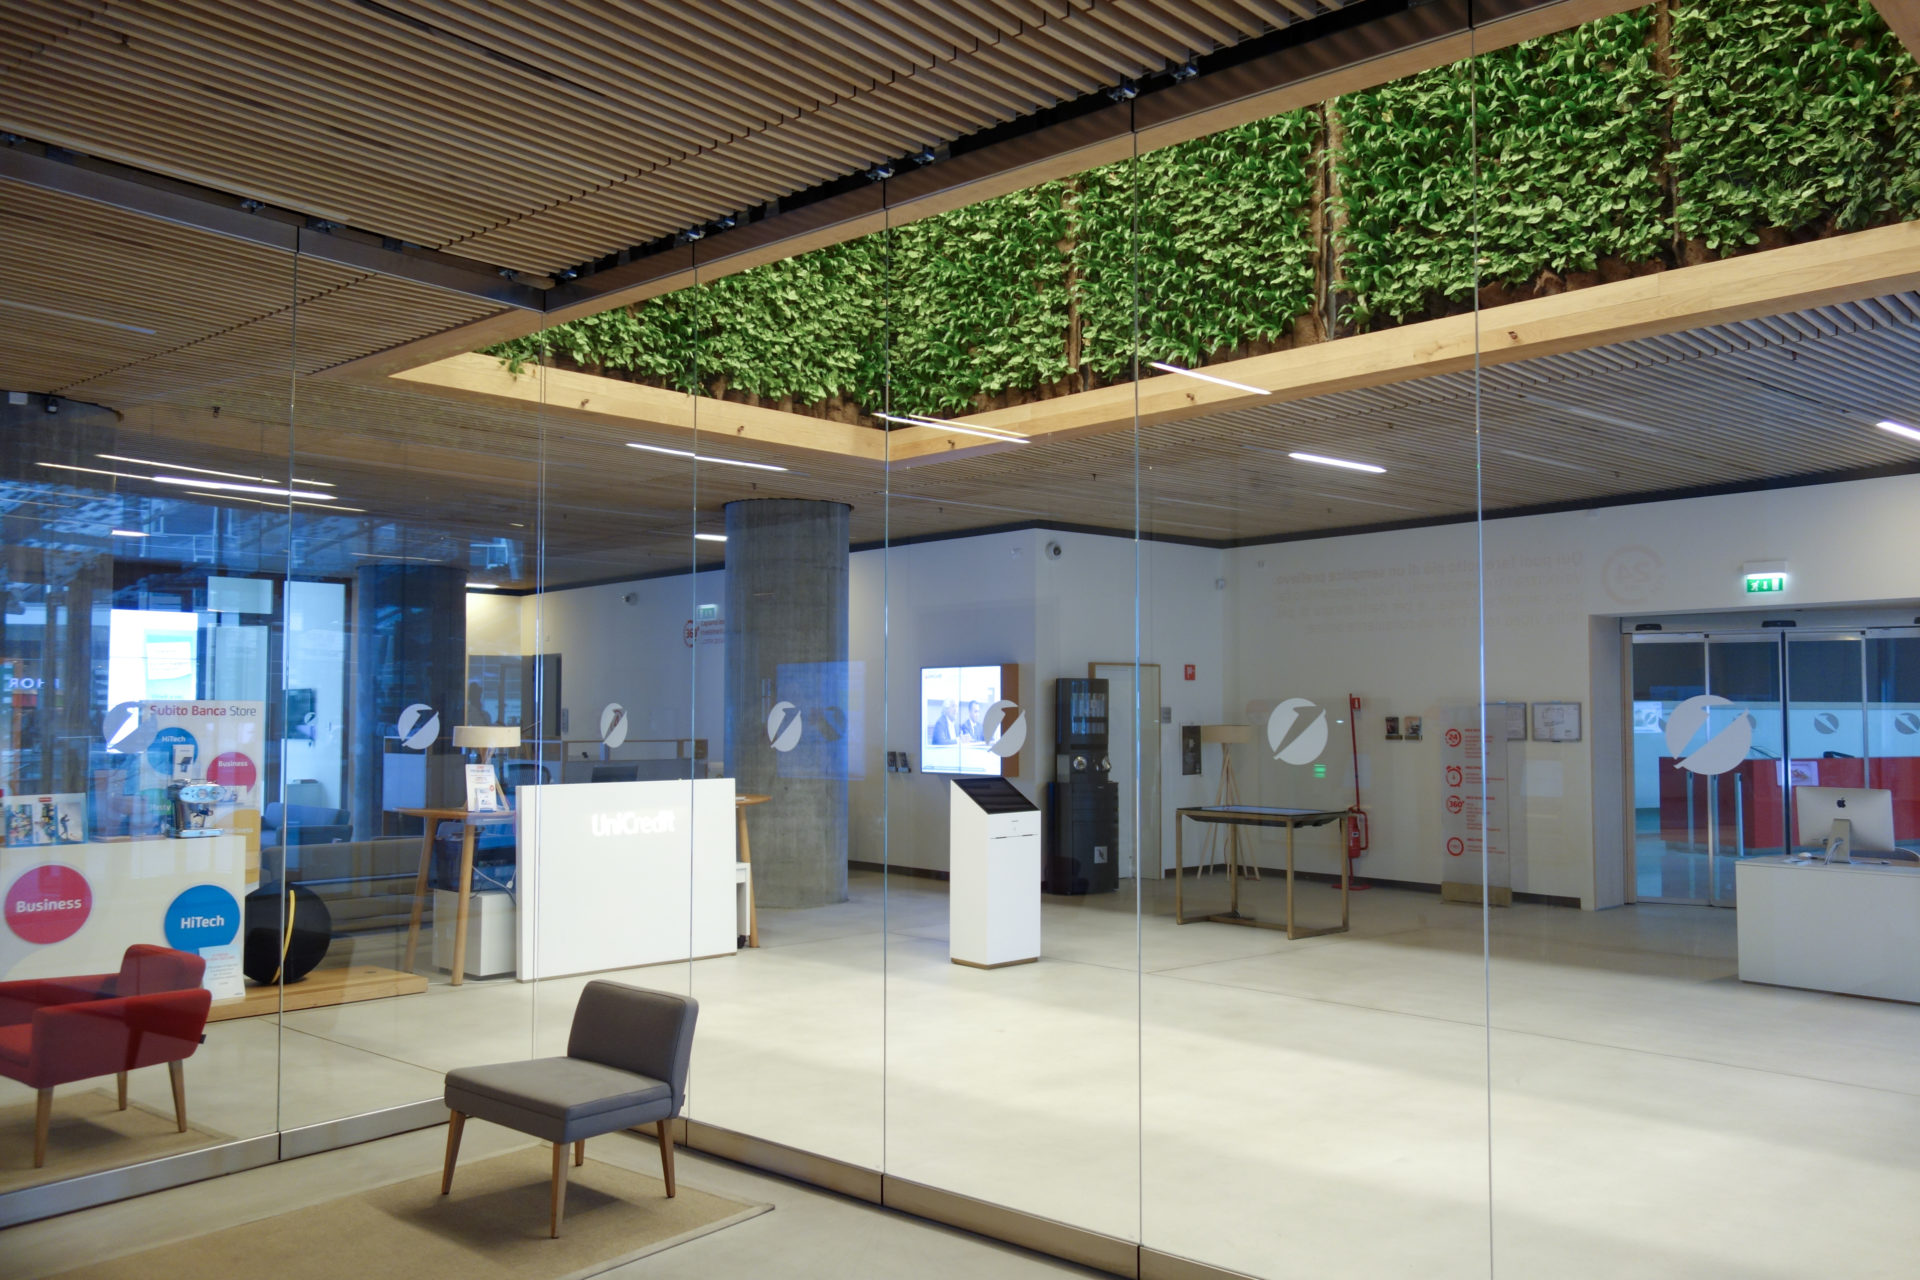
1189, 671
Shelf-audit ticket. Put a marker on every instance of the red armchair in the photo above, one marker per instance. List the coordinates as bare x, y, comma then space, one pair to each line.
55, 1031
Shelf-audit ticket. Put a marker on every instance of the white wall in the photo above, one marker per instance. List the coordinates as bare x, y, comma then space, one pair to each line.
1001, 598
493, 624
1393, 617
1390, 617
636, 654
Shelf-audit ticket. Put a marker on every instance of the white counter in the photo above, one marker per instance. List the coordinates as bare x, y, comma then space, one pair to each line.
619, 874
1852, 928
131, 884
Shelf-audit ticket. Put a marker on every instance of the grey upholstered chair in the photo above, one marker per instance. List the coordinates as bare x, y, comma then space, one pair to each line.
626, 1066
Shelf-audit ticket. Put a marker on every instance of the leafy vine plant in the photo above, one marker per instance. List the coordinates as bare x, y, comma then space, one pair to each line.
1671, 134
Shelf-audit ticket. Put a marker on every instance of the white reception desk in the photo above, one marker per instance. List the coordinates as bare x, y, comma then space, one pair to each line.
614, 875
1852, 928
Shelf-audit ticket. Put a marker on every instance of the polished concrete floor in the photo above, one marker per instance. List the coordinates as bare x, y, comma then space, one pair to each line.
1341, 1105
810, 1235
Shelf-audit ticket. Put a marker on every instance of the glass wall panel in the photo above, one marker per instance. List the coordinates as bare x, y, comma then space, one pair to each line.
1672, 486
144, 620
416, 708
1011, 816
786, 634
1328, 1063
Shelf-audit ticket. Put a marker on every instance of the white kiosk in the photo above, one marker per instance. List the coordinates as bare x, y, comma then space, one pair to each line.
993, 900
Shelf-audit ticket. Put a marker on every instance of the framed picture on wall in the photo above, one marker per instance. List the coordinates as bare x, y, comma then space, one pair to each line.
1556, 722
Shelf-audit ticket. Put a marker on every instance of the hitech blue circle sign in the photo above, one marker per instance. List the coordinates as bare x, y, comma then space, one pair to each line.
203, 916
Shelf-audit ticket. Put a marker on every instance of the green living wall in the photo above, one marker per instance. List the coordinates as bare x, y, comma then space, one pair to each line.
1671, 134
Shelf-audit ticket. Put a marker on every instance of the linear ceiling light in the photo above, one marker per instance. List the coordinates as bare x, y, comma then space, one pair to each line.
701, 457
207, 471
75, 315
276, 506
197, 484
92, 471
1367, 467
1899, 428
1164, 367
709, 537
483, 586
129, 533
1591, 415
991, 433
228, 486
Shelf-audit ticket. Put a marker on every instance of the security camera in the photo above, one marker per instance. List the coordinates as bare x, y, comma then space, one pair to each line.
632, 597
1055, 551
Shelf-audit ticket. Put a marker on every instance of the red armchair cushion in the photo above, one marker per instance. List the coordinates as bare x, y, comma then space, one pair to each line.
18, 1000
70, 1042
16, 1049
145, 970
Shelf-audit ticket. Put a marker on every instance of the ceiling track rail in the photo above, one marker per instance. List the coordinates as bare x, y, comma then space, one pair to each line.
1367, 45
121, 187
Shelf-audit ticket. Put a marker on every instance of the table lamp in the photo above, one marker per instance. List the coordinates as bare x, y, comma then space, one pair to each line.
486, 737
1227, 735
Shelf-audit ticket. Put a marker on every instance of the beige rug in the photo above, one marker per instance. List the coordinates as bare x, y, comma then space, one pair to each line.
89, 1134
492, 1227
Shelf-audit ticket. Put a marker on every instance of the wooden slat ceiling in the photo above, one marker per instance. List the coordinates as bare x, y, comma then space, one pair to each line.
1788, 396
539, 134
109, 307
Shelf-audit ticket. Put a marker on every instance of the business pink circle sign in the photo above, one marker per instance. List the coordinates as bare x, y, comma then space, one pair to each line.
48, 904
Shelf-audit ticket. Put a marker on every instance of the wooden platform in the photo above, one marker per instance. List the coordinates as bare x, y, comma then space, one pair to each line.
320, 988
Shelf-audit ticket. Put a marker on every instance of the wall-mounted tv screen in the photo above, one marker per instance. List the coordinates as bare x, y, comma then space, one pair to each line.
954, 732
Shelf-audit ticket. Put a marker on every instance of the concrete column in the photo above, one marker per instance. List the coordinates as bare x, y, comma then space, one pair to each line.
786, 632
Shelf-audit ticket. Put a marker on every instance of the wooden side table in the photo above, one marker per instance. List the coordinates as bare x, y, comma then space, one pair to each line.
469, 823
741, 803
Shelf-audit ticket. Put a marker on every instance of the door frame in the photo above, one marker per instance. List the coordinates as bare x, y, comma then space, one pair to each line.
1702, 631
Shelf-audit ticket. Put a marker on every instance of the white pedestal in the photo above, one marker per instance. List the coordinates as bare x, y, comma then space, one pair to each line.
1848, 927
993, 899
490, 932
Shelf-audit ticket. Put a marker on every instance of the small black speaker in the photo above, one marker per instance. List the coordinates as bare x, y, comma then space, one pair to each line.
269, 954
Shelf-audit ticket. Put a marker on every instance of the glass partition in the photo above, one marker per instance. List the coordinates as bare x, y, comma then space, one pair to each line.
1012, 1039
144, 628
785, 634
1683, 572
1312, 961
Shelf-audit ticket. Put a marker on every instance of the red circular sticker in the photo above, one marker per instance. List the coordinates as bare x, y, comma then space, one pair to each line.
1453, 737
232, 769
1455, 804
1455, 846
48, 904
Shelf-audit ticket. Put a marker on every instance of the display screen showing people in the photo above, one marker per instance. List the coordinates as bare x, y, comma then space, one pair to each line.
954, 728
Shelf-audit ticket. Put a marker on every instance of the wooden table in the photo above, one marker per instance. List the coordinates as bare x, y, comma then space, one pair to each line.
741, 803
1246, 815
469, 823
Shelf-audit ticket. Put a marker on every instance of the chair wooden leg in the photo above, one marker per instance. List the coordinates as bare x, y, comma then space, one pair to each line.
123, 1091
456, 1122
177, 1070
559, 1185
579, 1153
665, 1130
42, 1120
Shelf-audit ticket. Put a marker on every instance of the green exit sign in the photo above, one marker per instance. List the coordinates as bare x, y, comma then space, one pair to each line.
1759, 584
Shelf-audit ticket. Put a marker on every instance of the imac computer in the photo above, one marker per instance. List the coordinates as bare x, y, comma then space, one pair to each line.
1851, 824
